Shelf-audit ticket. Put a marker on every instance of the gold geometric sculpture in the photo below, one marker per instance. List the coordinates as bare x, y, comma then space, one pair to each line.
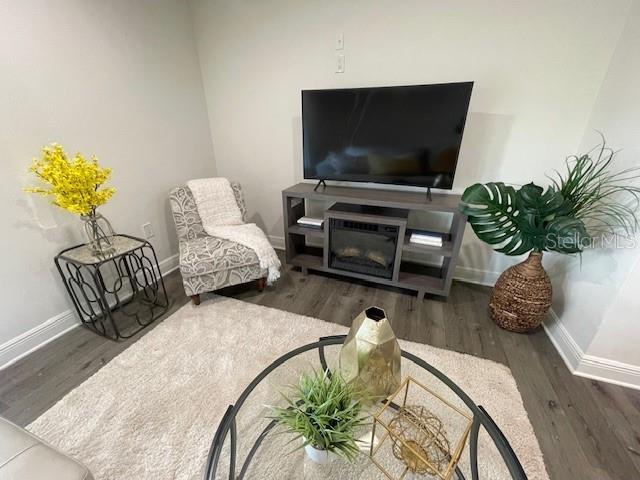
370, 355
415, 428
416, 436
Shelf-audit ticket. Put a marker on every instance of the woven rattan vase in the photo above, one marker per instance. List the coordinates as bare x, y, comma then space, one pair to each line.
522, 296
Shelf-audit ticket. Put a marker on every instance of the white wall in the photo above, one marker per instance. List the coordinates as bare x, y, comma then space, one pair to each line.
116, 78
121, 79
598, 304
537, 67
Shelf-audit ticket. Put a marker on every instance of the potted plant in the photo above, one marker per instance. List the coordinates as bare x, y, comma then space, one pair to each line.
325, 412
76, 185
586, 202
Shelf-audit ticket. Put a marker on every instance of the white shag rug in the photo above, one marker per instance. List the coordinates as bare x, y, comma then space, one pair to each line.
151, 413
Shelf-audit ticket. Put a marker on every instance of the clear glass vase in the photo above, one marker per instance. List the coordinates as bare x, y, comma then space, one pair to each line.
99, 233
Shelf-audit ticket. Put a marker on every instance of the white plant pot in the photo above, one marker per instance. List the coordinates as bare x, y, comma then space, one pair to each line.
318, 456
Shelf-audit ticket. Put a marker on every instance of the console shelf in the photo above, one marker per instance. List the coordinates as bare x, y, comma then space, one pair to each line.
309, 231
386, 207
446, 250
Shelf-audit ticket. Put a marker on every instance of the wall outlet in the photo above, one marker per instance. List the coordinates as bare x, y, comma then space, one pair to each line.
340, 63
147, 230
340, 41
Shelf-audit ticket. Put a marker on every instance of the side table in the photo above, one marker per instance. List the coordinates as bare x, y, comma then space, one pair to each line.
125, 285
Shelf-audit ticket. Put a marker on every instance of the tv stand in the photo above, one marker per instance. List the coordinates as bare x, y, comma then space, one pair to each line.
320, 182
308, 247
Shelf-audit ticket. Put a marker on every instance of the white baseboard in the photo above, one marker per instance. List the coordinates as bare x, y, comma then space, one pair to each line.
277, 242
31, 340
22, 345
589, 366
474, 275
169, 264
610, 371
560, 337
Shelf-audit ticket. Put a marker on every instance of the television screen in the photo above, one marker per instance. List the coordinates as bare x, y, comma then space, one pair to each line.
402, 135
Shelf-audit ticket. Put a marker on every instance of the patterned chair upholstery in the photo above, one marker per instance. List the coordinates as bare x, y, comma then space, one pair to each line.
209, 263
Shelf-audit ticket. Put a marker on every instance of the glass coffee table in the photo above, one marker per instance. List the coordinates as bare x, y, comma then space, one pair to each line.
249, 445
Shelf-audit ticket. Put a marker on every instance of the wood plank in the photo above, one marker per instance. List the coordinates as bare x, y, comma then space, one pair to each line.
583, 413
586, 429
308, 231
378, 197
556, 437
446, 250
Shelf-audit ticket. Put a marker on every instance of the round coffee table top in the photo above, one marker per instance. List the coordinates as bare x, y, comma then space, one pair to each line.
248, 444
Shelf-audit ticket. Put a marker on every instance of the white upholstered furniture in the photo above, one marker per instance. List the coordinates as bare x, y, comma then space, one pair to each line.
25, 457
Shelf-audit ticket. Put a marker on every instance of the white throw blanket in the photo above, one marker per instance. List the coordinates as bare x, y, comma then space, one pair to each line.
221, 217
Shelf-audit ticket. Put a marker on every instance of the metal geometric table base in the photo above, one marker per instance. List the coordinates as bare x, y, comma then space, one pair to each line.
124, 286
227, 426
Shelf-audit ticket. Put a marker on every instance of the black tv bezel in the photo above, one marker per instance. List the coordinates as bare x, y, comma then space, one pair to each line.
408, 183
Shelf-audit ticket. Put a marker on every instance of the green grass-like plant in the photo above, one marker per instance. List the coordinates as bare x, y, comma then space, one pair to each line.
606, 200
324, 410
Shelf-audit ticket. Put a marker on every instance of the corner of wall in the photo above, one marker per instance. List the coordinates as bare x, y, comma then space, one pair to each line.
588, 366
207, 101
560, 337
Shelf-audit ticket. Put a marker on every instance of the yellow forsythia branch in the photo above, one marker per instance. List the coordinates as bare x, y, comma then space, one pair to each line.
74, 184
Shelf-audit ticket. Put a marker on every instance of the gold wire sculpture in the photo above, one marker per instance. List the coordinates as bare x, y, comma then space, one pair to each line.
416, 429
416, 436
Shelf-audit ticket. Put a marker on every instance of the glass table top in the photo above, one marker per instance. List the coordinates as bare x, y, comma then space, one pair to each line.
82, 254
279, 455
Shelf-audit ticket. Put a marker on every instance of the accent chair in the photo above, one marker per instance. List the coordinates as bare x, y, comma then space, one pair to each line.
209, 263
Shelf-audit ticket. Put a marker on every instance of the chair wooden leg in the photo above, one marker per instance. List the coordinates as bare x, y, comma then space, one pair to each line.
261, 283
195, 299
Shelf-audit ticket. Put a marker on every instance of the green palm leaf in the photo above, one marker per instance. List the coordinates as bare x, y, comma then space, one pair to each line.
493, 214
515, 222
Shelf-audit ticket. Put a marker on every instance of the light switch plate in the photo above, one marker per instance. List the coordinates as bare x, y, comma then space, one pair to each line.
340, 60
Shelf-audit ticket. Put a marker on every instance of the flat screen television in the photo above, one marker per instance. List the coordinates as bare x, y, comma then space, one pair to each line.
407, 135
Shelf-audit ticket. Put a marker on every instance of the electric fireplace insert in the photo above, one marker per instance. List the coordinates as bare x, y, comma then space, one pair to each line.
362, 246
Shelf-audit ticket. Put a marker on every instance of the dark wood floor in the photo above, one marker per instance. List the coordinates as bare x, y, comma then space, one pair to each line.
587, 430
